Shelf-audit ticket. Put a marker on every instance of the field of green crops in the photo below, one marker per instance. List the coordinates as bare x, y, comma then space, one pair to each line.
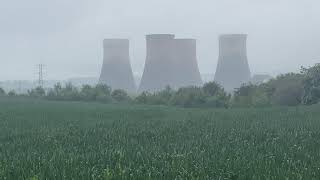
65, 140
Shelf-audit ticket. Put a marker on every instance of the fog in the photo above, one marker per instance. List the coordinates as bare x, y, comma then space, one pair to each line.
67, 36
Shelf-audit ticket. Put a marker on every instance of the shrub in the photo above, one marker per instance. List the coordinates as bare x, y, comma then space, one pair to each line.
189, 97
311, 85
2, 92
143, 98
287, 89
120, 95
216, 96
12, 93
37, 92
251, 96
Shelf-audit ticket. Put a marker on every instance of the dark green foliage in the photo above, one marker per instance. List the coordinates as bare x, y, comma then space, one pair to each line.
189, 97
143, 98
213, 89
100, 92
120, 95
12, 93
66, 93
285, 90
311, 85
252, 96
63, 140
162, 97
88, 93
2, 92
210, 95
288, 89
216, 96
103, 93
37, 92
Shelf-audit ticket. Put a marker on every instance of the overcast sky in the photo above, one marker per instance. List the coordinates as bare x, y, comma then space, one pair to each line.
66, 35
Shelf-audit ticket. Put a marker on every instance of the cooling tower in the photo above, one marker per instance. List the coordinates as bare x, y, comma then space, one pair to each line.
170, 62
187, 71
233, 68
158, 67
116, 70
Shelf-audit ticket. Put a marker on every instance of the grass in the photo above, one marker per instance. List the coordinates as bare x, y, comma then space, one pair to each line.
65, 140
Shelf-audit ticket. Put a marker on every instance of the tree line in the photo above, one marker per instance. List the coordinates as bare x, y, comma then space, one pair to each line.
290, 89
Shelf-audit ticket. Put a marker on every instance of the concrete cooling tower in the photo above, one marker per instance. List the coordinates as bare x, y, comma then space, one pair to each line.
233, 68
170, 62
187, 70
116, 70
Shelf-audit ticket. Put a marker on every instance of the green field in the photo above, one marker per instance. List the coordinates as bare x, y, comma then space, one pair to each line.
61, 140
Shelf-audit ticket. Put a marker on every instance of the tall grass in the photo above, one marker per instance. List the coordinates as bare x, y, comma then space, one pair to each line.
62, 140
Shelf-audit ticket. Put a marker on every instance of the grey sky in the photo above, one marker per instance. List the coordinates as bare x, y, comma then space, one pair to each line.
66, 35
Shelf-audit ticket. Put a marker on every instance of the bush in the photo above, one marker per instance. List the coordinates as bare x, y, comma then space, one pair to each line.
2, 92
287, 89
37, 92
88, 93
213, 89
67, 93
189, 97
120, 95
252, 96
103, 93
143, 98
216, 96
12, 93
311, 85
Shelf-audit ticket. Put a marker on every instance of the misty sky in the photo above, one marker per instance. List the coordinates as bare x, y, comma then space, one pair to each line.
66, 35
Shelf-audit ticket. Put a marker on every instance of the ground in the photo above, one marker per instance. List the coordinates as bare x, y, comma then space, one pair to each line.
67, 140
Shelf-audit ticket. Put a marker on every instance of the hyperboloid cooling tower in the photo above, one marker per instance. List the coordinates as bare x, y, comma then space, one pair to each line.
187, 72
116, 70
169, 62
233, 68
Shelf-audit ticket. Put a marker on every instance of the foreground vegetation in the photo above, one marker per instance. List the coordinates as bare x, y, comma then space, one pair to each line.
63, 140
292, 89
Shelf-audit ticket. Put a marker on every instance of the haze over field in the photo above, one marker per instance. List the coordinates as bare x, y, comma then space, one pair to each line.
67, 36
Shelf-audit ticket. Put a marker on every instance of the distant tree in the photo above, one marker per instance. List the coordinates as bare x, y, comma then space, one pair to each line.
12, 93
37, 92
161, 97
103, 93
284, 90
311, 85
216, 96
70, 92
287, 89
2, 92
57, 89
88, 93
143, 98
189, 97
120, 95
103, 89
212, 89
165, 95
244, 96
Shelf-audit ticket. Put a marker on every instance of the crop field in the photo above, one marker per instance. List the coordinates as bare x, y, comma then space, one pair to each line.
66, 140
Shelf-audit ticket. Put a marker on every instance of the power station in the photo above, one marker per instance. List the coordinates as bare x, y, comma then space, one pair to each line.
173, 62
169, 62
233, 68
116, 69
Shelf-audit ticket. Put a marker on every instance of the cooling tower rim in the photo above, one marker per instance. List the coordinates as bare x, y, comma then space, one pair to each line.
160, 36
186, 39
115, 40
233, 36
